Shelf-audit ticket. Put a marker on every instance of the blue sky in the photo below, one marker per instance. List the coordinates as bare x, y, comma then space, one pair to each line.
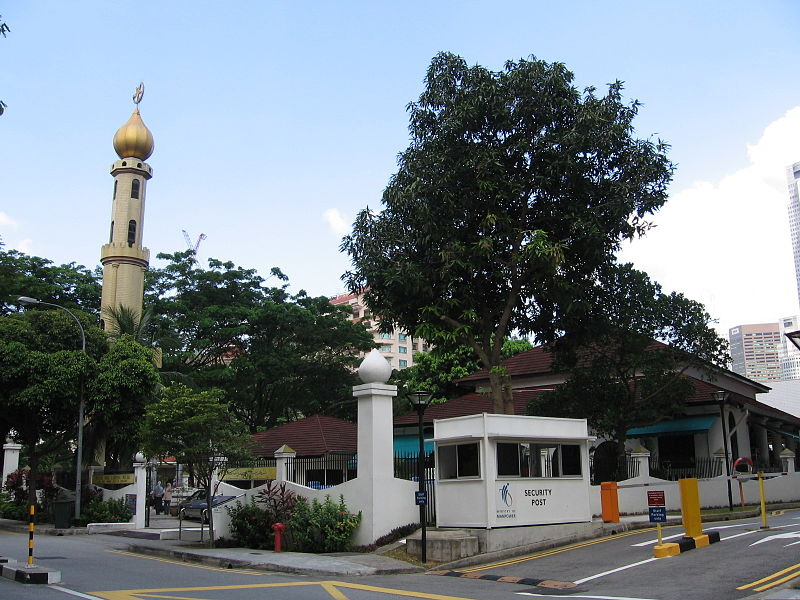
276, 122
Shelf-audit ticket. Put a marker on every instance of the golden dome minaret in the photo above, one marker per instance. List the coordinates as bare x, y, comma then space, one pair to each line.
124, 258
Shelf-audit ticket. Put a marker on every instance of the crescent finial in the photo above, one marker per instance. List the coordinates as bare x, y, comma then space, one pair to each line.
137, 95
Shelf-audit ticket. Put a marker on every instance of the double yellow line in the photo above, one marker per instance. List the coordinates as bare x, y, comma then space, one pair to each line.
520, 559
770, 581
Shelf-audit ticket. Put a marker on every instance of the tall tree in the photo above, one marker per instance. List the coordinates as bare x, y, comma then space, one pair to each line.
72, 286
198, 429
633, 372
516, 188
439, 370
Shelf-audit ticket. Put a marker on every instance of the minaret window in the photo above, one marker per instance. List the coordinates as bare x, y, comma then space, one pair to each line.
135, 188
115, 188
131, 233
111, 233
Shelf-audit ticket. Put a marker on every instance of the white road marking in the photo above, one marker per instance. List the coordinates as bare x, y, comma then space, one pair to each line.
73, 592
617, 570
780, 536
582, 596
655, 541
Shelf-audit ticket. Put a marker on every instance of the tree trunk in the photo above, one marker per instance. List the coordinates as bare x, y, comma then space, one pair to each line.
209, 502
502, 398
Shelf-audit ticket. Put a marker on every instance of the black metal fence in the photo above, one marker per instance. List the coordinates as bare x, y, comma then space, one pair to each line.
672, 470
406, 466
626, 468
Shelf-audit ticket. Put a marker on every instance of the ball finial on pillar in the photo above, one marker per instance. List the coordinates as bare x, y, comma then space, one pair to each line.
374, 368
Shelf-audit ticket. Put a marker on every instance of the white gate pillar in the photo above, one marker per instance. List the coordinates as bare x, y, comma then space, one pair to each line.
140, 479
375, 444
10, 460
283, 456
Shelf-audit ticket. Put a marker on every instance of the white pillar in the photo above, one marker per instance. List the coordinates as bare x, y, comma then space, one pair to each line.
140, 479
283, 456
375, 444
10, 460
787, 461
642, 457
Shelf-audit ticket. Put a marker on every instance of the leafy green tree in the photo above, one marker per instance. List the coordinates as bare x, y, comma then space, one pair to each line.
278, 356
633, 372
516, 188
127, 381
198, 429
42, 369
72, 286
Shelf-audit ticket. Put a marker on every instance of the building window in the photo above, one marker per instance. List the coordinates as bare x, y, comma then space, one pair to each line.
403, 349
425, 347
131, 233
403, 363
385, 336
414, 346
386, 348
111, 233
533, 459
402, 337
459, 461
115, 188
135, 188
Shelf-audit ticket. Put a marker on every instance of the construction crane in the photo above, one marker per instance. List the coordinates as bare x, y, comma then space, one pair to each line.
196, 245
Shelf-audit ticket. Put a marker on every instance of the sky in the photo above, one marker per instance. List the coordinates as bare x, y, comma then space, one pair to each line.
276, 122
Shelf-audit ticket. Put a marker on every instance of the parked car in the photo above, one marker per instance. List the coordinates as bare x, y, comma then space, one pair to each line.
196, 510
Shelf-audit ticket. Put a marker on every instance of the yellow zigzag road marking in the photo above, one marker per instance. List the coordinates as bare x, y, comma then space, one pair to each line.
515, 561
189, 564
773, 576
331, 587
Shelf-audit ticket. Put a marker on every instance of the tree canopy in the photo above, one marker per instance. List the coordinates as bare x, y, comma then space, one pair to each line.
198, 428
515, 190
632, 372
278, 356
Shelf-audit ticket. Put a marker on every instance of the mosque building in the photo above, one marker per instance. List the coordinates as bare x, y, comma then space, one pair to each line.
124, 259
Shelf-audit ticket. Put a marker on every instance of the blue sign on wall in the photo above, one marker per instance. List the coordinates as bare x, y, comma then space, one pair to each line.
658, 514
421, 497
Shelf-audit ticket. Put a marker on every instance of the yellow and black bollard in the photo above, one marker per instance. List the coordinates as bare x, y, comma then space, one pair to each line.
31, 525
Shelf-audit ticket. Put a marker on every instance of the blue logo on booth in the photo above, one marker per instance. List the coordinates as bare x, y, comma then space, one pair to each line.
508, 500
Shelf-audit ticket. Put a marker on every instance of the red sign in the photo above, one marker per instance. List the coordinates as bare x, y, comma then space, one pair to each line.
655, 498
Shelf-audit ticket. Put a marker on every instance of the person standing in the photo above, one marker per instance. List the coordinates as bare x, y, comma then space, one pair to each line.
158, 498
167, 497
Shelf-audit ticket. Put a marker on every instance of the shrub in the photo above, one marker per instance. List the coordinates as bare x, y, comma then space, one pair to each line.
105, 511
249, 526
11, 510
322, 527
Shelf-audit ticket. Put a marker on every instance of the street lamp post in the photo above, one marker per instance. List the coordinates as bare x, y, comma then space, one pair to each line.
721, 396
419, 400
25, 300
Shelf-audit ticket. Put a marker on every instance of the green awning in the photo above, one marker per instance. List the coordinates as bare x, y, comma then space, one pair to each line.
682, 426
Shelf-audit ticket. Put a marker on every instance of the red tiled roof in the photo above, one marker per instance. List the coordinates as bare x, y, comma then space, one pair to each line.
471, 404
312, 436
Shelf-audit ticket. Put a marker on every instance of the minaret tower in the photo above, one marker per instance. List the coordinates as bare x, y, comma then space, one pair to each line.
124, 258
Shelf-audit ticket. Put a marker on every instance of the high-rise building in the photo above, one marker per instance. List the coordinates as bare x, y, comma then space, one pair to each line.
397, 346
124, 258
756, 350
793, 180
790, 355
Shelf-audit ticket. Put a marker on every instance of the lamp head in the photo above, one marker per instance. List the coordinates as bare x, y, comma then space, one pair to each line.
720, 395
419, 398
25, 300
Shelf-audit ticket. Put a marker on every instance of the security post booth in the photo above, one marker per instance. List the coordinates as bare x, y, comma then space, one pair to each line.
507, 470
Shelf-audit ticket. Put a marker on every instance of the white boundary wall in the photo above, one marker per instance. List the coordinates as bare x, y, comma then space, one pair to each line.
713, 492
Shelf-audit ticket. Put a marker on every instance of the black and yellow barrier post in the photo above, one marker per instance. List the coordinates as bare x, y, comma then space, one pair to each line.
692, 521
31, 525
763, 500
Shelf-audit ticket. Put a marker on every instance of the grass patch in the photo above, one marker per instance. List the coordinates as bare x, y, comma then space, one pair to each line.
401, 554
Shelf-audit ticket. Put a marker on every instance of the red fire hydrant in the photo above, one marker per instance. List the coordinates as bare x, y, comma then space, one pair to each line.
278, 528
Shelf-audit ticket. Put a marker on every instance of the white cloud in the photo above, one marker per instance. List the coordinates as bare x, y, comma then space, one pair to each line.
6, 221
726, 243
25, 246
336, 221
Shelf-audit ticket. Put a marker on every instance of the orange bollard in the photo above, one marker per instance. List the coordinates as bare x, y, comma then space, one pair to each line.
609, 500
278, 528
